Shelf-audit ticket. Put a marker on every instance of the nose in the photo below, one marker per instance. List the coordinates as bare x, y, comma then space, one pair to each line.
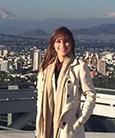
63, 43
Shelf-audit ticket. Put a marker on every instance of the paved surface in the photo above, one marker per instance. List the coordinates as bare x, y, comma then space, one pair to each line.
100, 135
30, 134
10, 134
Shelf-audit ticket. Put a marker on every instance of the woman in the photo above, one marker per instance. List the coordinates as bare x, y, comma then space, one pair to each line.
61, 82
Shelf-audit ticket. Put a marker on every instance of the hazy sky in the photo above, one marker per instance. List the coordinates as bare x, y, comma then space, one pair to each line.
42, 9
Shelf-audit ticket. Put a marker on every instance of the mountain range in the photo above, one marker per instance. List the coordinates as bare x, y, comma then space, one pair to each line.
96, 30
10, 24
4, 14
34, 33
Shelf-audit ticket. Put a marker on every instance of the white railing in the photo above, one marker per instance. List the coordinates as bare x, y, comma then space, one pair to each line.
105, 103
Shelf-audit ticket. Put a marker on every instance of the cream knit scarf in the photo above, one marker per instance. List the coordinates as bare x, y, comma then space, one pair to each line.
51, 113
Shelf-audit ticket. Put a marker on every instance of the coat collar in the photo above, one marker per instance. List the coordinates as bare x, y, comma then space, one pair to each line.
75, 62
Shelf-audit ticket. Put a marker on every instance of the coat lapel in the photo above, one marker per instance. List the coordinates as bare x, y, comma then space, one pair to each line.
59, 92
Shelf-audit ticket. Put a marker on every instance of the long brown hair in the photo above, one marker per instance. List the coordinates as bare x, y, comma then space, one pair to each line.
50, 54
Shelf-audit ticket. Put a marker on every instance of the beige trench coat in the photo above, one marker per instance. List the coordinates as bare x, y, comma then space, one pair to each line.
73, 116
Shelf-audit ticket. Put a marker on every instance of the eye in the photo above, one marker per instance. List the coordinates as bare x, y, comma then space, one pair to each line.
58, 41
66, 41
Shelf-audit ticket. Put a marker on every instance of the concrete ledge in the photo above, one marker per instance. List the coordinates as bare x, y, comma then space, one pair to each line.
99, 135
20, 134
31, 134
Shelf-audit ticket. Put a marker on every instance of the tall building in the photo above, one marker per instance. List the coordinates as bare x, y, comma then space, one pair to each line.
101, 66
5, 52
36, 59
0, 52
4, 65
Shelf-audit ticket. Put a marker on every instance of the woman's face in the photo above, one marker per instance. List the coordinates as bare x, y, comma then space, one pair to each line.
62, 45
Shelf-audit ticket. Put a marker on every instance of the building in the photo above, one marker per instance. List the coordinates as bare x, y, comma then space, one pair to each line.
4, 65
5, 52
101, 66
36, 59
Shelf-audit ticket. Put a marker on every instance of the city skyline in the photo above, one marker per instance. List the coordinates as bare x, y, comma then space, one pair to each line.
41, 9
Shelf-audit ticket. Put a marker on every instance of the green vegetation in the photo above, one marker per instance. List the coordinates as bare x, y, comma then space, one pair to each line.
105, 81
7, 79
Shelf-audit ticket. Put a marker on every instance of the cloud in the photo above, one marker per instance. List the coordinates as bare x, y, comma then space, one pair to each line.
111, 14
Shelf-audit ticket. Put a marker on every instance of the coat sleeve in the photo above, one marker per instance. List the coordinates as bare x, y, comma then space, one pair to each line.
89, 93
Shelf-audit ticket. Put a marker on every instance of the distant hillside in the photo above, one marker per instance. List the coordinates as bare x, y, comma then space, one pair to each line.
101, 29
34, 33
18, 26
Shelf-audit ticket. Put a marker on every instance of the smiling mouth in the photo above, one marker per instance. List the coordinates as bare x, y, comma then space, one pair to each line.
63, 49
